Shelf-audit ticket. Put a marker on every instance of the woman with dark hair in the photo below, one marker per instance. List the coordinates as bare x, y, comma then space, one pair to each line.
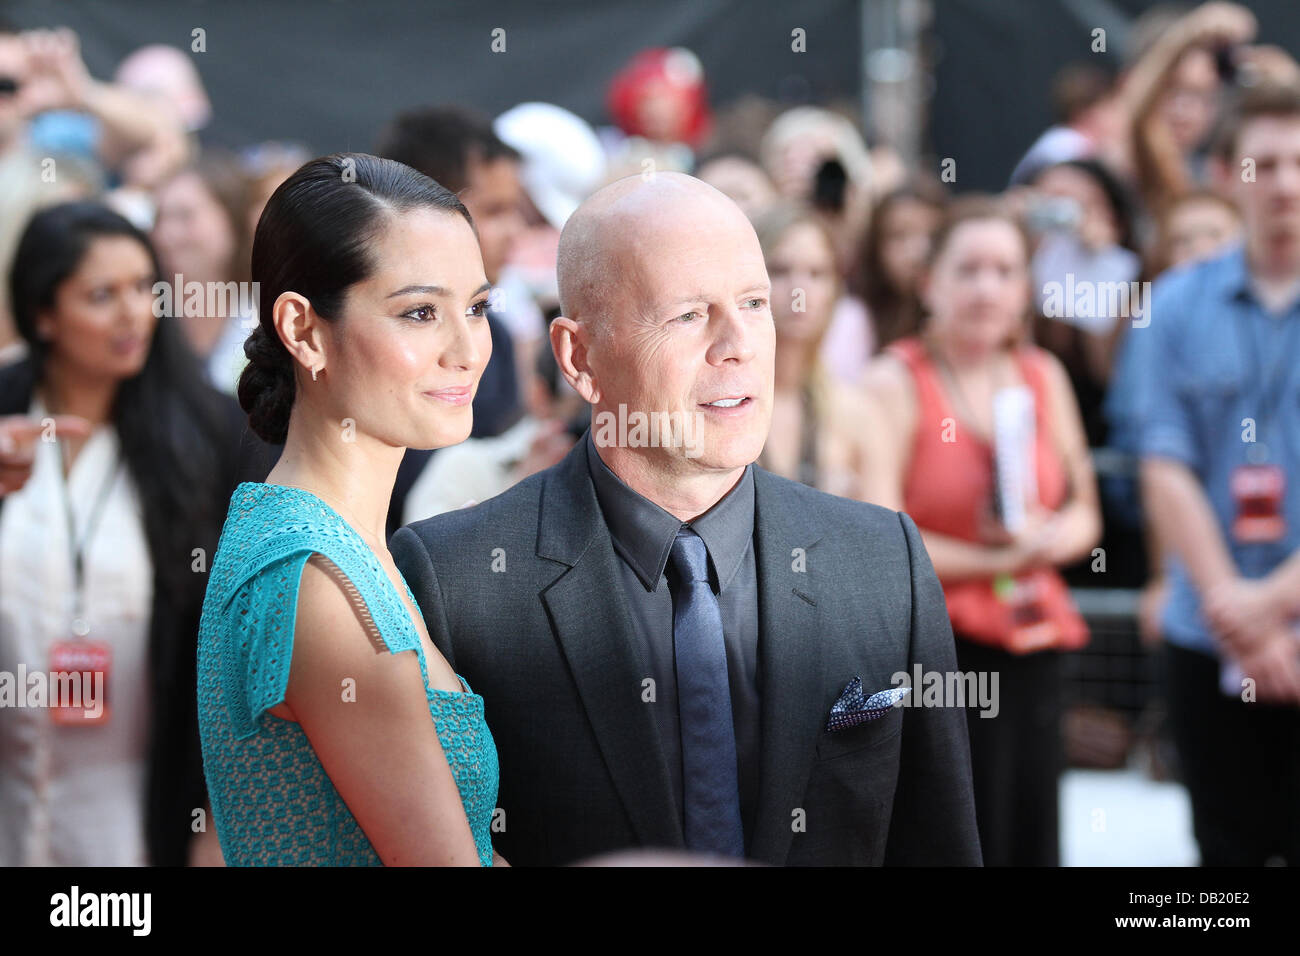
322, 744
892, 256
105, 532
976, 435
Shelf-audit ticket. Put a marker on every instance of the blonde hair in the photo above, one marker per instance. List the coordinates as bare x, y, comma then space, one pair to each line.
773, 225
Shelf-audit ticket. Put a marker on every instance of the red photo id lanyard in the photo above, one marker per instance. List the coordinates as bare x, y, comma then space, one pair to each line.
79, 667
1258, 487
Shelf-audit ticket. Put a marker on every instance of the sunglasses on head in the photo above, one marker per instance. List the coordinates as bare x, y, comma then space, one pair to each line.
8, 85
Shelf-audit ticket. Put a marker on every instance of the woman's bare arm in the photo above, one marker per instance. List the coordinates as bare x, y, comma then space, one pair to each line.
378, 743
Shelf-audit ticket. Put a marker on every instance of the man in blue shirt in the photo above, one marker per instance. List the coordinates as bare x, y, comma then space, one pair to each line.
1220, 446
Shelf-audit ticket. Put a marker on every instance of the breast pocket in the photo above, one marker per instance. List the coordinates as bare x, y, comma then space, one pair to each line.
1216, 404
850, 740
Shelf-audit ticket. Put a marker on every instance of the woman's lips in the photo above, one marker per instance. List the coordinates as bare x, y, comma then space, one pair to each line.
452, 396
126, 346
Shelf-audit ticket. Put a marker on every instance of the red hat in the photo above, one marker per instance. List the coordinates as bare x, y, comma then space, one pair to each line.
674, 72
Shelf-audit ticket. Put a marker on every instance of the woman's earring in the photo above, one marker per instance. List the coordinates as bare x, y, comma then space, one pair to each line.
314, 370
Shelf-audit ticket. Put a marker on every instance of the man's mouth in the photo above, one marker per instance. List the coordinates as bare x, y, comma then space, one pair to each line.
734, 401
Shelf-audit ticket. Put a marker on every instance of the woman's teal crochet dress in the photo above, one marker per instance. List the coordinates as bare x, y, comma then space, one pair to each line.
272, 802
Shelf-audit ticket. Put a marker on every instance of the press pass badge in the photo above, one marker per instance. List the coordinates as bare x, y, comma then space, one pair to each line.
1258, 490
79, 671
79, 668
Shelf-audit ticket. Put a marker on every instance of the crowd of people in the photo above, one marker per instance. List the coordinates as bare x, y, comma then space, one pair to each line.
994, 366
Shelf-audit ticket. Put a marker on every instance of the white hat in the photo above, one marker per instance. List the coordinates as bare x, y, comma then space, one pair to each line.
563, 159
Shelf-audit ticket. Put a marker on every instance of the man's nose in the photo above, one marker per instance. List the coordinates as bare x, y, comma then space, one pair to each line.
733, 340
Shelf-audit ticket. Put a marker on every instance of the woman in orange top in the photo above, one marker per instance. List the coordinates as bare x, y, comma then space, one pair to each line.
931, 399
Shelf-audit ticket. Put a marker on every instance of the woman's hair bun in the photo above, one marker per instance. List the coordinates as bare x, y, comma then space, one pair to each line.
266, 386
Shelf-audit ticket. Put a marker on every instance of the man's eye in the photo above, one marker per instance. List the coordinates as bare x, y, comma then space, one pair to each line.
688, 316
422, 313
756, 303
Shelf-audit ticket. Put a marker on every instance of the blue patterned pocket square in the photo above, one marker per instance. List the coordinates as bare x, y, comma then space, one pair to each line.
853, 709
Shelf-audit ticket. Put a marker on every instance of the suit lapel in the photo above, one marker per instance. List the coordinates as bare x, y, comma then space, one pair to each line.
593, 624
789, 662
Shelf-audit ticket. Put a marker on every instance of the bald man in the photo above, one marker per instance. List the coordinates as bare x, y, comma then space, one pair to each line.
676, 648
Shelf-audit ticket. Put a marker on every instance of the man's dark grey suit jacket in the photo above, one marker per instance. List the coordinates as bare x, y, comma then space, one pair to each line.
523, 596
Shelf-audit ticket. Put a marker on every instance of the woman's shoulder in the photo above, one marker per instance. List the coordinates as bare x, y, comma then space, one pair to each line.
267, 524
890, 375
262, 565
262, 513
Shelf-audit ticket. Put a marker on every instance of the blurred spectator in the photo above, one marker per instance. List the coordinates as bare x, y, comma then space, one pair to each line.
660, 107
738, 126
1083, 97
41, 72
1196, 226
933, 442
814, 434
740, 179
167, 75
134, 135
267, 165
100, 545
199, 235
167, 78
1083, 218
563, 162
1216, 404
1173, 92
894, 251
816, 156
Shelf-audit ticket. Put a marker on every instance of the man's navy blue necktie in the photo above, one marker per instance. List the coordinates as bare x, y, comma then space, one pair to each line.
710, 779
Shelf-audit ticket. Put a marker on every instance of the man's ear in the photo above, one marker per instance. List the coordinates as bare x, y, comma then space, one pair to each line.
568, 342
300, 330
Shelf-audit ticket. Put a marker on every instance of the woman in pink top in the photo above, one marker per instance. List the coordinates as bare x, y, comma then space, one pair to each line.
931, 453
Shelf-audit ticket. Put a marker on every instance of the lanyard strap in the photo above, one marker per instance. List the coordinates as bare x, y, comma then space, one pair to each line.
79, 547
1271, 378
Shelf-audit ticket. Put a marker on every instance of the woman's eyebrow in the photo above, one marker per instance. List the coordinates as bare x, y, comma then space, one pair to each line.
419, 290
433, 290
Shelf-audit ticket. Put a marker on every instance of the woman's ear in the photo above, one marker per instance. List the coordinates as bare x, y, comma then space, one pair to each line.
299, 328
44, 325
568, 341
